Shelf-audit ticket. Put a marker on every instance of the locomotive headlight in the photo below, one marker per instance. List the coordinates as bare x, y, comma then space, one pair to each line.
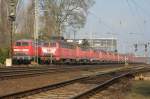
21, 50
25, 50
16, 50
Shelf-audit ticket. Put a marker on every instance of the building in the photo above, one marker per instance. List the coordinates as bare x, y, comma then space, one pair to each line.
107, 44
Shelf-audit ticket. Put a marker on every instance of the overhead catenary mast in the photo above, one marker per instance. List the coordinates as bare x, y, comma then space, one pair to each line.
12, 17
36, 29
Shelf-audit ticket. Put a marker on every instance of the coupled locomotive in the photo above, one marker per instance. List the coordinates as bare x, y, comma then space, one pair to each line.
25, 51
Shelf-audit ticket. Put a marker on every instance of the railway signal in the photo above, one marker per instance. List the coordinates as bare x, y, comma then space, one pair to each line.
136, 47
12, 17
145, 47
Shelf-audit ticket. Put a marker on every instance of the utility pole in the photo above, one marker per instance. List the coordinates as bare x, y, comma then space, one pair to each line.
36, 29
12, 17
74, 35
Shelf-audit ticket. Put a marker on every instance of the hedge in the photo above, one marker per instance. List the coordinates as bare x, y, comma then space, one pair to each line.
4, 53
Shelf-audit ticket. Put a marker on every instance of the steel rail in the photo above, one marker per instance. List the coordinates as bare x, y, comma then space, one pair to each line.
37, 90
53, 86
5, 74
104, 85
64, 83
50, 87
99, 87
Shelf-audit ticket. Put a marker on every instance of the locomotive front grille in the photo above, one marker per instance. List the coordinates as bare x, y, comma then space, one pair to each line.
20, 54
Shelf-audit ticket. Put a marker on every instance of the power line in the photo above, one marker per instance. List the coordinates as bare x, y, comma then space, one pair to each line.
19, 7
134, 15
141, 8
136, 8
140, 15
138, 11
101, 21
19, 11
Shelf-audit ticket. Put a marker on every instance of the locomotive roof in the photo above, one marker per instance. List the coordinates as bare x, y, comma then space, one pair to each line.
25, 40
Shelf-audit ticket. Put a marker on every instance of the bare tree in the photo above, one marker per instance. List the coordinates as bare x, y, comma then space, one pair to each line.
67, 14
59, 15
5, 10
25, 19
4, 23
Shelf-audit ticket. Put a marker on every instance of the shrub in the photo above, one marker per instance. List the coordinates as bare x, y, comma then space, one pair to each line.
4, 53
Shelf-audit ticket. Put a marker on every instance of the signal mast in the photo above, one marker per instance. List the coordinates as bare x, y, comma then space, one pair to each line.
145, 47
12, 17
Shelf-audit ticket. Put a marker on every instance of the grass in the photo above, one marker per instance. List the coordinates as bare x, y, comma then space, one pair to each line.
139, 90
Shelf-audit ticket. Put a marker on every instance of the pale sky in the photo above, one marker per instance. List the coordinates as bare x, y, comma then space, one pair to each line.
126, 20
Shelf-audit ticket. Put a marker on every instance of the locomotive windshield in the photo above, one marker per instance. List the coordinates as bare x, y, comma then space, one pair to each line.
25, 44
22, 44
53, 45
50, 44
18, 43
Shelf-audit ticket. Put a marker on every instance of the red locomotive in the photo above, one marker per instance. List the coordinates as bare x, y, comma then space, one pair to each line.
25, 51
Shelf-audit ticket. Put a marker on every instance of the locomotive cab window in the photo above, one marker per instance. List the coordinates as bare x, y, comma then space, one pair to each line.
25, 43
46, 44
53, 45
50, 44
18, 44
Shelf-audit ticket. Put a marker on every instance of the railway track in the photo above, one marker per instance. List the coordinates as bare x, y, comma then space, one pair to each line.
15, 72
9, 74
77, 88
90, 92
